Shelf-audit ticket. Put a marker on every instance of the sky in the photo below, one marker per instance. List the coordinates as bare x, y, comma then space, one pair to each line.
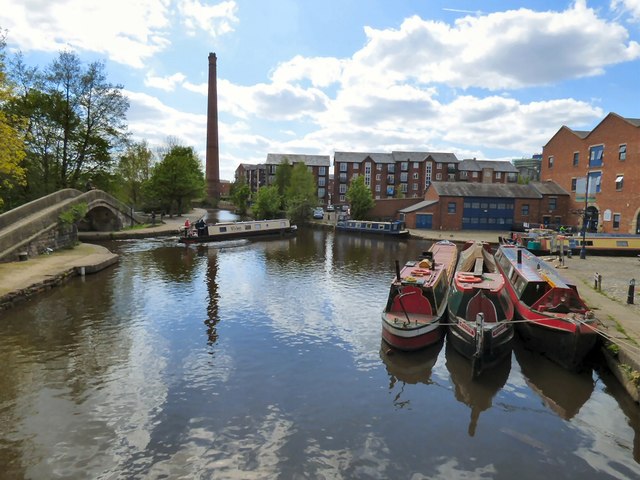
492, 80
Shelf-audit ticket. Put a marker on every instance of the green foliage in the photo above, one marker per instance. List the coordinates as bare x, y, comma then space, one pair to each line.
240, 194
176, 180
76, 120
613, 349
134, 168
74, 214
283, 178
360, 198
300, 194
267, 203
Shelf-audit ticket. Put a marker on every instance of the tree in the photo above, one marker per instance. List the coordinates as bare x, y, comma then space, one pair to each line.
12, 151
177, 179
301, 194
283, 178
267, 203
76, 121
240, 193
360, 198
134, 168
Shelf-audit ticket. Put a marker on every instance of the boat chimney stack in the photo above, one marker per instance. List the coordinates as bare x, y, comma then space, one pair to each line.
519, 255
398, 270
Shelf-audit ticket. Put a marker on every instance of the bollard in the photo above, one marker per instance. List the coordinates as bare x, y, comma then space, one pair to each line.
595, 280
632, 286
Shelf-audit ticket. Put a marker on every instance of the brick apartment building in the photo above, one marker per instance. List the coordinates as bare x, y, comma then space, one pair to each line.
319, 166
609, 155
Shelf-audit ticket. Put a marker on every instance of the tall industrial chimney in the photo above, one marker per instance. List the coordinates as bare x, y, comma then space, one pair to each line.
213, 154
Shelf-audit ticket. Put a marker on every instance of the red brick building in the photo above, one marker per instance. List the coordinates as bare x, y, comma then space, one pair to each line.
481, 206
609, 155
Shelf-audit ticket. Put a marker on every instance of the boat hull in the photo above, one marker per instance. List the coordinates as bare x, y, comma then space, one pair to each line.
288, 232
409, 338
496, 342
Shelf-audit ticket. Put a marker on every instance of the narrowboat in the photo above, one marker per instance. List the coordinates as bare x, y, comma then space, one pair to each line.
394, 229
417, 299
550, 316
623, 244
480, 311
200, 232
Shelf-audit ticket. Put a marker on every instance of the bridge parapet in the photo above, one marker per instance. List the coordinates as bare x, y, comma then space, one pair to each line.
36, 226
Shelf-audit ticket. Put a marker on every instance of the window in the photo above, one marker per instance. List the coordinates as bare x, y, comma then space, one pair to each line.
427, 175
525, 210
622, 152
379, 167
415, 186
616, 220
367, 174
356, 165
378, 177
342, 198
377, 188
594, 182
343, 188
343, 167
474, 174
451, 207
498, 175
321, 181
322, 171
595, 156
404, 166
416, 165
390, 179
343, 177
553, 203
416, 176
391, 168
576, 158
512, 177
321, 192
438, 166
463, 175
573, 184
438, 176
619, 181
403, 187
550, 161
403, 176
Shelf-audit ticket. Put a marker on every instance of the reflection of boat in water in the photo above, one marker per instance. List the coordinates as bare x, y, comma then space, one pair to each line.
476, 392
409, 367
561, 390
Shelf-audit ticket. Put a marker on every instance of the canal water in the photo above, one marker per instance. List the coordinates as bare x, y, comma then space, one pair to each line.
264, 360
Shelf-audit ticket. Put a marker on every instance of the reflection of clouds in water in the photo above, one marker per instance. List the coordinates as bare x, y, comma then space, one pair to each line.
249, 452
201, 370
450, 470
112, 420
608, 438
369, 461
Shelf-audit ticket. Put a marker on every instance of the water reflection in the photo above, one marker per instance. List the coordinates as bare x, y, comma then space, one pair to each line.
409, 367
477, 393
212, 301
562, 391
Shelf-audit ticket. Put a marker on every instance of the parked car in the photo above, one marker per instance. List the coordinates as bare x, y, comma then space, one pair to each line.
330, 208
318, 213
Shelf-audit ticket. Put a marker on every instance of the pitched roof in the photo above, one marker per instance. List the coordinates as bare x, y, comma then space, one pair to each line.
491, 190
401, 156
473, 165
311, 160
357, 157
418, 206
549, 188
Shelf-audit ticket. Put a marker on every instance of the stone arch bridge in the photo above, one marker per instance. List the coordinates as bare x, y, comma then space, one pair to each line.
35, 227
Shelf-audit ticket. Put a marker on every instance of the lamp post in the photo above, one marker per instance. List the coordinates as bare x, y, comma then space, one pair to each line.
583, 250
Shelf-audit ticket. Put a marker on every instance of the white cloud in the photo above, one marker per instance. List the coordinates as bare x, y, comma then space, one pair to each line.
320, 71
511, 49
127, 32
631, 6
213, 19
168, 84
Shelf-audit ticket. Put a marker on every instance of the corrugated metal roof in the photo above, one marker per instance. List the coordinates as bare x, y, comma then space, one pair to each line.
490, 190
418, 206
311, 160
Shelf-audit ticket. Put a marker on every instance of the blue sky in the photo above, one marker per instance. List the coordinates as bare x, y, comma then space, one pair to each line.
486, 79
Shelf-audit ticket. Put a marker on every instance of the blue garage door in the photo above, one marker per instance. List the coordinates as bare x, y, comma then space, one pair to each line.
487, 213
424, 220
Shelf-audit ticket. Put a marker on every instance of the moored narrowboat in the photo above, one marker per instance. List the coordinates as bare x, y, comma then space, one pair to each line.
200, 232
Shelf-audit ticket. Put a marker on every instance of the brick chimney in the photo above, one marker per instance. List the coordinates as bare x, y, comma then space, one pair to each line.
212, 160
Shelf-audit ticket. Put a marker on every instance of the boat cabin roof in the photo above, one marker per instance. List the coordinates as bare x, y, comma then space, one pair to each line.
534, 269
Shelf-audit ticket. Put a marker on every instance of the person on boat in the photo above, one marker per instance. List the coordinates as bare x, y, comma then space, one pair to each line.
201, 226
187, 226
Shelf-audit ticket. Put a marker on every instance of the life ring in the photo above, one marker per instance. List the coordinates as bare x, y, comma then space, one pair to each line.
419, 272
468, 278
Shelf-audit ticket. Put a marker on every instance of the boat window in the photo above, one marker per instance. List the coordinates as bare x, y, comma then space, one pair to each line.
382, 226
257, 226
247, 227
533, 292
440, 290
518, 285
622, 243
223, 229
